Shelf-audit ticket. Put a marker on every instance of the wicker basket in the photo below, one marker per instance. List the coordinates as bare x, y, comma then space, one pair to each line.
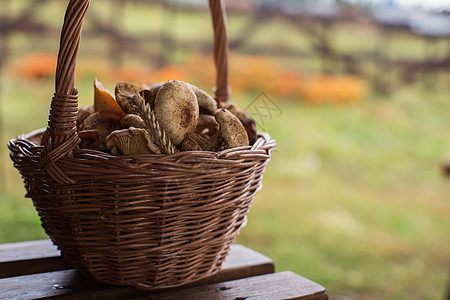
149, 220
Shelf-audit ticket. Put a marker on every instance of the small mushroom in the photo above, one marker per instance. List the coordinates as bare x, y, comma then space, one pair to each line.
122, 91
205, 143
90, 139
132, 120
103, 122
250, 127
231, 129
207, 124
131, 141
83, 113
246, 120
189, 144
176, 109
235, 110
206, 103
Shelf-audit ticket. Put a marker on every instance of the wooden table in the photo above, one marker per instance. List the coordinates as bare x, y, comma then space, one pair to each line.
30, 270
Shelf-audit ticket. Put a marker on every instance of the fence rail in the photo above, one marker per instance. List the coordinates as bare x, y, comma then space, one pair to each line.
315, 24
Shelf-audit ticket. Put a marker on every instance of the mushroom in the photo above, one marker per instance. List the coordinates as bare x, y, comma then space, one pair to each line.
189, 144
206, 103
250, 128
132, 120
131, 141
231, 129
176, 109
207, 124
122, 91
90, 139
104, 101
103, 122
205, 143
246, 120
83, 113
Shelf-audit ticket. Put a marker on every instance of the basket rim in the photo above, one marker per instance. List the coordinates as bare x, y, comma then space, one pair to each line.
263, 139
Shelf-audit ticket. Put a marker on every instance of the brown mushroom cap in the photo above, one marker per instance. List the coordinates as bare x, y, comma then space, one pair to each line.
246, 120
208, 124
231, 129
103, 122
83, 113
176, 109
206, 103
131, 141
132, 120
189, 144
238, 112
250, 127
125, 88
90, 139
205, 143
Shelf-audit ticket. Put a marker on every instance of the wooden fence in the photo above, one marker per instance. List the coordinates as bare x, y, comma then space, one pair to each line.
316, 24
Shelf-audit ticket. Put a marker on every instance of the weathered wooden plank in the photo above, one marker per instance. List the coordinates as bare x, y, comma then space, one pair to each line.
242, 262
27, 250
29, 258
26, 258
70, 285
67, 283
241, 277
283, 285
32, 266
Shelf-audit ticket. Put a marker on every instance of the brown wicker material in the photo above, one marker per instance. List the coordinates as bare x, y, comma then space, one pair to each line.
148, 220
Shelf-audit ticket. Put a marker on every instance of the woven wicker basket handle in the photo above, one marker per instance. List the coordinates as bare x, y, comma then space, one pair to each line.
61, 136
219, 19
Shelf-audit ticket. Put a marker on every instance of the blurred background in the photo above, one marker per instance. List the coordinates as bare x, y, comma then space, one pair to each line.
356, 93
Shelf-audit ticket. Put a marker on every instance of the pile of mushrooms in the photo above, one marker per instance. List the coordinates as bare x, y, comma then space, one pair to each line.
168, 117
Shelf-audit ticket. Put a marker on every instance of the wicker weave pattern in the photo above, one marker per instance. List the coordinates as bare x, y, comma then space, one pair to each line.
149, 220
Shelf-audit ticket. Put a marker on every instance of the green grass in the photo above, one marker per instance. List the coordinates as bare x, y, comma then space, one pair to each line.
353, 198
358, 197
